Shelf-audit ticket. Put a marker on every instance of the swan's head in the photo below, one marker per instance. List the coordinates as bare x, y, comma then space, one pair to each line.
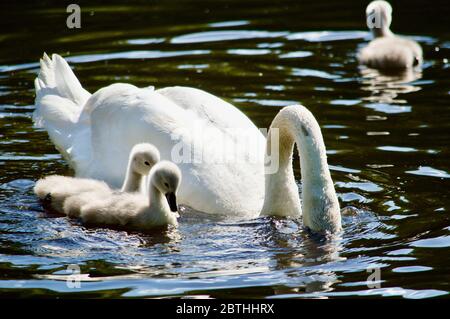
166, 177
143, 157
379, 17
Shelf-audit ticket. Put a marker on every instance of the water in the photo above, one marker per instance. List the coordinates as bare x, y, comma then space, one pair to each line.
387, 141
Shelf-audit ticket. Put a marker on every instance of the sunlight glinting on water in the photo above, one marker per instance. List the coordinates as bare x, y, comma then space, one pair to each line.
386, 146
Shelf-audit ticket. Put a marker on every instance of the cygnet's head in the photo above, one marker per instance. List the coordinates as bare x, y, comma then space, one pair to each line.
379, 17
166, 177
143, 157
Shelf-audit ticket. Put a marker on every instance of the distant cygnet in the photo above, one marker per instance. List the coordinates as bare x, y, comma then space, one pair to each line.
386, 50
55, 190
136, 211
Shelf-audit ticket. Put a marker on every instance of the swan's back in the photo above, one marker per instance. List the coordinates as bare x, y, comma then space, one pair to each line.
138, 115
55, 189
116, 209
73, 204
391, 52
130, 211
207, 106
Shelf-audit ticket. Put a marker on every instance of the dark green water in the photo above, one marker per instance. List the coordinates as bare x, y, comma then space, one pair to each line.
387, 143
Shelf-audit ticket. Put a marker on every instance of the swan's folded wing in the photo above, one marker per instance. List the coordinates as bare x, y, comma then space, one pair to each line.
209, 107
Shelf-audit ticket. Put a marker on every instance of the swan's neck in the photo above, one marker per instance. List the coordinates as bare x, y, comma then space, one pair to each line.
379, 21
281, 193
157, 200
296, 125
132, 181
383, 31
159, 210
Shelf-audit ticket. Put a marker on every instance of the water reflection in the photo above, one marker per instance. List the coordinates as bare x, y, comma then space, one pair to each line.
393, 171
302, 256
388, 87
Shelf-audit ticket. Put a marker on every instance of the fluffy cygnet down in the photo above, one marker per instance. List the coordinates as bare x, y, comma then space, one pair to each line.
387, 50
54, 190
136, 211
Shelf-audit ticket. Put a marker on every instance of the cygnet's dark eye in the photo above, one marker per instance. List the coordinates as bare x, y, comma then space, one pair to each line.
165, 184
147, 163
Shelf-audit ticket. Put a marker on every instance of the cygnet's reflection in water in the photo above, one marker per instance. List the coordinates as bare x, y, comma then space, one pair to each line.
387, 86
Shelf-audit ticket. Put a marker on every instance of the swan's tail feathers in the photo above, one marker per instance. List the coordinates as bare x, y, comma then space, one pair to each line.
56, 74
59, 101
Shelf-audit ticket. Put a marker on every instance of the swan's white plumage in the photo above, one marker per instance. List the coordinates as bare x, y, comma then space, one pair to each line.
136, 211
387, 50
142, 158
96, 136
72, 204
56, 190
59, 96
391, 53
319, 205
168, 117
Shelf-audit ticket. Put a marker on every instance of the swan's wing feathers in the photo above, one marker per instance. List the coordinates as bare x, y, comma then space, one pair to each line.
46, 73
207, 106
55, 108
67, 83
59, 101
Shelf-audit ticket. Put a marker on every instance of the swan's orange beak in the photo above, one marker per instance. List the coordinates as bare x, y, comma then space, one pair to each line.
172, 200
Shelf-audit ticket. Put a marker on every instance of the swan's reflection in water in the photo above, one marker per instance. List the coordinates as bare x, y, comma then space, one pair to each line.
167, 238
386, 87
301, 256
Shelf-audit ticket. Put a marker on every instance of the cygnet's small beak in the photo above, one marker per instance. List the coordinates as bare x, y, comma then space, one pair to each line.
172, 200
48, 198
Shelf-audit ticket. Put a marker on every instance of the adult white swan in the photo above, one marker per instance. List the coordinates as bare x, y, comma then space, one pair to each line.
387, 50
103, 127
95, 134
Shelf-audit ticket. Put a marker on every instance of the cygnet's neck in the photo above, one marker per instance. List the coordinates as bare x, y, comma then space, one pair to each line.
132, 181
383, 31
158, 201
296, 125
159, 211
